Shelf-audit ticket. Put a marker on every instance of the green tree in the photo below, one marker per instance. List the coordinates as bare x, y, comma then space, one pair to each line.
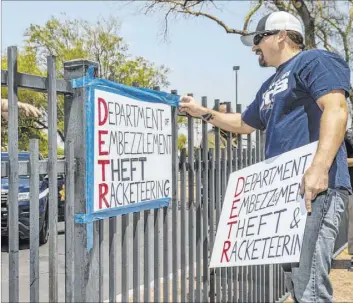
70, 39
99, 41
182, 140
28, 127
182, 121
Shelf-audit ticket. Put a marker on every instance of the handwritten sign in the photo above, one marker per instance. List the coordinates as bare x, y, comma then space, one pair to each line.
128, 149
263, 216
132, 151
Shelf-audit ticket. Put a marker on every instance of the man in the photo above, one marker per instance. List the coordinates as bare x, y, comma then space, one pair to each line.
304, 101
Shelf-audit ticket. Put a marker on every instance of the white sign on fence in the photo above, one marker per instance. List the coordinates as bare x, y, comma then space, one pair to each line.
132, 151
263, 216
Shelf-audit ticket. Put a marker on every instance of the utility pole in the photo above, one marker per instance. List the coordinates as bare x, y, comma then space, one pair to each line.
236, 68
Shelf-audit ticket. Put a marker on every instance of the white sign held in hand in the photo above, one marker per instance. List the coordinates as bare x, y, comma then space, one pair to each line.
262, 219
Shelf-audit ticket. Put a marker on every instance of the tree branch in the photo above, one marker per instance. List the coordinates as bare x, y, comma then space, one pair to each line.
250, 14
350, 22
309, 22
328, 20
343, 34
166, 21
228, 30
61, 135
324, 39
280, 4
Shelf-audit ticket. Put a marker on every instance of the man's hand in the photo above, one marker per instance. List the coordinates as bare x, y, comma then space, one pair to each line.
189, 105
315, 181
29, 110
25, 108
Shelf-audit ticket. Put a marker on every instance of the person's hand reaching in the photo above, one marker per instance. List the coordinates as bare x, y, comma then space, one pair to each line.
24, 108
188, 105
29, 110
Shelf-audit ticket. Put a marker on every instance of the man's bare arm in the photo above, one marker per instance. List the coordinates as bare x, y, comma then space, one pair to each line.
332, 127
332, 130
231, 122
25, 108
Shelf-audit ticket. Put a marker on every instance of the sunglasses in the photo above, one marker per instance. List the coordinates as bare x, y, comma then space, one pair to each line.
259, 37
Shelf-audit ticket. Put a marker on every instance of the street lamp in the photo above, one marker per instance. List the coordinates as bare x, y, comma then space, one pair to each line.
236, 68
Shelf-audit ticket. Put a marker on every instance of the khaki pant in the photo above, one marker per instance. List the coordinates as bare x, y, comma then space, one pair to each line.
350, 225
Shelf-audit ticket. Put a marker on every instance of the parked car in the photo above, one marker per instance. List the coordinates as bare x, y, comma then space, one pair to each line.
24, 203
61, 197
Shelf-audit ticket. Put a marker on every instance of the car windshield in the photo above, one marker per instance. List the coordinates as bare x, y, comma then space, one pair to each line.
21, 157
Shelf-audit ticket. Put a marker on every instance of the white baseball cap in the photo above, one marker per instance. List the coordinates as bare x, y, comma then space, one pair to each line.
274, 21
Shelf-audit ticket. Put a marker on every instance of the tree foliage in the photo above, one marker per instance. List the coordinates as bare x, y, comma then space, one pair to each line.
99, 41
28, 127
182, 140
69, 39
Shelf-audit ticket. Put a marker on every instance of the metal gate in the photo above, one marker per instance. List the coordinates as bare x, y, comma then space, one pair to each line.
157, 255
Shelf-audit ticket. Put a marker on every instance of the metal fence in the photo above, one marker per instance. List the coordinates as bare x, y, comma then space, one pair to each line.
151, 256
20, 282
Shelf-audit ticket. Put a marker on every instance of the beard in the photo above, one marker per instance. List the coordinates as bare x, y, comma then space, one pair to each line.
262, 61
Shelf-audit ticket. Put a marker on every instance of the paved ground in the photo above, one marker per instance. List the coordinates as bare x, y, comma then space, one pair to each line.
44, 267
342, 280
24, 265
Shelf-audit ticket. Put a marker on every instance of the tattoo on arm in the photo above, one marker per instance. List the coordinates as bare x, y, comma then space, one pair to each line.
207, 117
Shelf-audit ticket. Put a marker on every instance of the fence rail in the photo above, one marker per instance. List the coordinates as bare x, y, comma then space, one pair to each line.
36, 83
157, 255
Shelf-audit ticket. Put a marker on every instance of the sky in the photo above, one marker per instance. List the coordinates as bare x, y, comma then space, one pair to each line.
199, 53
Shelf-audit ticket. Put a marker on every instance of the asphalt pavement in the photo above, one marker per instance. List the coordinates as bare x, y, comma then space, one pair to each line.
24, 264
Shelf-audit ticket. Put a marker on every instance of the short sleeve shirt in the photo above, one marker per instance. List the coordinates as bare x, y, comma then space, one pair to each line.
349, 148
286, 106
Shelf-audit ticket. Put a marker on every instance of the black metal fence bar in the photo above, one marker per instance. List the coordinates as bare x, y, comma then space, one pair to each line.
146, 254
136, 257
13, 228
183, 248
125, 257
211, 185
34, 221
191, 207
230, 271
207, 208
217, 198
53, 187
175, 211
69, 222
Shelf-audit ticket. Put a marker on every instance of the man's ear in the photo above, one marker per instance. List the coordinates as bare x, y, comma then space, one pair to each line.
282, 35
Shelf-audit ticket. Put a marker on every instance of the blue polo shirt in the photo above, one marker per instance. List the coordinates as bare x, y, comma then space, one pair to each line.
286, 107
